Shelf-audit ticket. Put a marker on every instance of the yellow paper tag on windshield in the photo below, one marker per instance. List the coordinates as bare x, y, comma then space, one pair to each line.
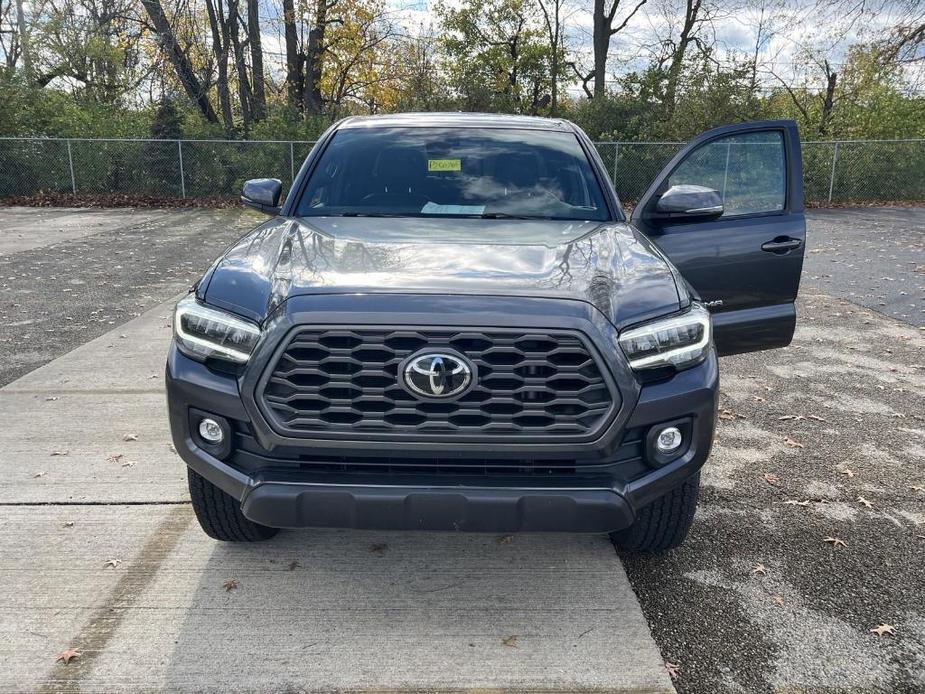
444, 165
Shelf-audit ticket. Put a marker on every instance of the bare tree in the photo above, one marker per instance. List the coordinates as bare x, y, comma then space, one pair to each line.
220, 48
553, 20
314, 57
179, 59
294, 59
605, 28
259, 107
694, 15
24, 45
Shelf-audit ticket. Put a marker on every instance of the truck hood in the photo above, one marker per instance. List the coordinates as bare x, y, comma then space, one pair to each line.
609, 265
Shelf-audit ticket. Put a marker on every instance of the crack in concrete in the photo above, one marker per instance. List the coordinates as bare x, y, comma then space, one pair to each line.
93, 637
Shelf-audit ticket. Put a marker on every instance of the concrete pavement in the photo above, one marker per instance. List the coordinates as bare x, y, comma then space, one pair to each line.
102, 554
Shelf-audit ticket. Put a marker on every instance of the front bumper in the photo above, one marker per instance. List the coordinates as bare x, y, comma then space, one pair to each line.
304, 485
459, 508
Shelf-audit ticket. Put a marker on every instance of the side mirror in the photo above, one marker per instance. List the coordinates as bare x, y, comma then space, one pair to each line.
263, 194
689, 202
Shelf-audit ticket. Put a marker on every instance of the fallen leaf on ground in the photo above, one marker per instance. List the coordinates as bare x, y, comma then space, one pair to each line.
673, 669
115, 458
230, 585
67, 655
882, 629
505, 540
130, 437
771, 478
112, 562
778, 600
760, 569
510, 641
835, 541
865, 502
793, 444
917, 488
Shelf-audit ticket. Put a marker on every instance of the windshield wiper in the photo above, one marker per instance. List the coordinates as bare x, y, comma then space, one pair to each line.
371, 214
505, 215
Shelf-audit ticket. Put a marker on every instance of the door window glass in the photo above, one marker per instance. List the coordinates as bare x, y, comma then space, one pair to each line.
747, 170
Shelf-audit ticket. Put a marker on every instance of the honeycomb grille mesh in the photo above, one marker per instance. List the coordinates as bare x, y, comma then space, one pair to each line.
330, 380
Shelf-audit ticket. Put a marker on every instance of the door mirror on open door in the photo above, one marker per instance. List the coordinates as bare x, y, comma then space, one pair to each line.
689, 202
263, 194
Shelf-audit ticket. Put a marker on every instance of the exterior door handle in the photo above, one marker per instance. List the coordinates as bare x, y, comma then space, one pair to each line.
782, 244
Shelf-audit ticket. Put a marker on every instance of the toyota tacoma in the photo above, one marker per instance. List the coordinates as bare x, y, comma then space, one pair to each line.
451, 323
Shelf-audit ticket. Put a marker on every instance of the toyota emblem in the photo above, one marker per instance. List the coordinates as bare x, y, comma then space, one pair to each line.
437, 374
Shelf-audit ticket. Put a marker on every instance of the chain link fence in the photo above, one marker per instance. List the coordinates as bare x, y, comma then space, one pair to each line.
836, 172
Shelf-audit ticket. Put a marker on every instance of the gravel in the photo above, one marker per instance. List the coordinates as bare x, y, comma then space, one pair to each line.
851, 391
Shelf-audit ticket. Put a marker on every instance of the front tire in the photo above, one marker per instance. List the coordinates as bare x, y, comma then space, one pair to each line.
220, 514
663, 524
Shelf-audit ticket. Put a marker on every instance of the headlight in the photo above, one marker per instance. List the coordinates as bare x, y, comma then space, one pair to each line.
202, 332
681, 341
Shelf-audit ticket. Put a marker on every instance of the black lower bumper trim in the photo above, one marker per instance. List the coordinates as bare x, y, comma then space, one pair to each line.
457, 509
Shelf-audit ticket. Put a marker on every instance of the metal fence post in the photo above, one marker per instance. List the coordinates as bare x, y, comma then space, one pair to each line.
291, 163
616, 157
70, 163
726, 170
832, 174
182, 176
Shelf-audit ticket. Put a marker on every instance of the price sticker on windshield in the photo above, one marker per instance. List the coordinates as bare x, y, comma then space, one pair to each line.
444, 164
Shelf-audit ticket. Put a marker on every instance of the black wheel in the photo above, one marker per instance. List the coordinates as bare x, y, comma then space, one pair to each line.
220, 514
663, 524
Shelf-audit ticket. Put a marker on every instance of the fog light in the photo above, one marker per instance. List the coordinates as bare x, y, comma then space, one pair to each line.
211, 431
669, 440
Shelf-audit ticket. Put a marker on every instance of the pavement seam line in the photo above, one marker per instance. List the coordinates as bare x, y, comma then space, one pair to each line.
65, 391
178, 502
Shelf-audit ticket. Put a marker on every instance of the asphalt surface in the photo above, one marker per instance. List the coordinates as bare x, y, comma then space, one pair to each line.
68, 276
872, 257
837, 417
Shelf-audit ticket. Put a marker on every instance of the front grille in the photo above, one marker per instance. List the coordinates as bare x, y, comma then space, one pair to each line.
529, 384
251, 458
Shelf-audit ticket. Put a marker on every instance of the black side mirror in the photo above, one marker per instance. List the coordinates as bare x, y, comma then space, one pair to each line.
263, 194
689, 202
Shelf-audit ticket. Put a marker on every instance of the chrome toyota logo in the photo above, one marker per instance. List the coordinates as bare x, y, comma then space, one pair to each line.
437, 375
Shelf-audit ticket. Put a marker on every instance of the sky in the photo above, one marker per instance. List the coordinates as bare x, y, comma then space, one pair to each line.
787, 28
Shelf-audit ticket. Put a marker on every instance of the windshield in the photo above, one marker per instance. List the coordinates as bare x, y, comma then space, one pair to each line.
463, 172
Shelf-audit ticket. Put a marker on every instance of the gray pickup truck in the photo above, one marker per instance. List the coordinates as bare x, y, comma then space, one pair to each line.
451, 324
